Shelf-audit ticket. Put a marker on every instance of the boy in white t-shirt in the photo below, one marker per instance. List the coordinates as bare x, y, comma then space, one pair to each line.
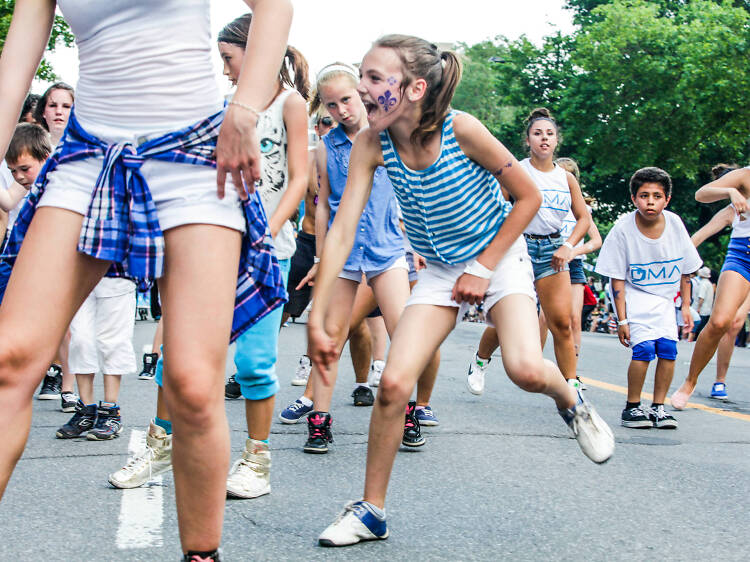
648, 256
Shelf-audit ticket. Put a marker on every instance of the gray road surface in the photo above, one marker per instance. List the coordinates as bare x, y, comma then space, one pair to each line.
499, 478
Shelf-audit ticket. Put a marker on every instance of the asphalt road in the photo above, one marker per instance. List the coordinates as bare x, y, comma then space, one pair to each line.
499, 478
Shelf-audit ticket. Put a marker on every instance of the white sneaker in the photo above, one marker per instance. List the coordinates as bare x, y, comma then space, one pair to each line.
575, 384
303, 371
475, 378
376, 371
154, 460
358, 522
594, 436
250, 476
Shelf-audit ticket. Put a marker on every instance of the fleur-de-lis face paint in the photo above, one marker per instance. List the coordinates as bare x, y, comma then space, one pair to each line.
387, 100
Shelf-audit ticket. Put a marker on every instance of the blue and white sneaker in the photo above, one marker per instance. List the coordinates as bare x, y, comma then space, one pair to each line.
358, 522
719, 391
426, 416
594, 436
294, 412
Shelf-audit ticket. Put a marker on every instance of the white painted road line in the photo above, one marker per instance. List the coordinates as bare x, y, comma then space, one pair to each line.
142, 509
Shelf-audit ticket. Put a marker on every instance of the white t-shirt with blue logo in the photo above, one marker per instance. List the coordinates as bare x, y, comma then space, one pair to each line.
555, 199
651, 269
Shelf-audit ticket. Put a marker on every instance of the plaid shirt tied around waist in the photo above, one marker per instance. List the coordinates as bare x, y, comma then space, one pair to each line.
122, 226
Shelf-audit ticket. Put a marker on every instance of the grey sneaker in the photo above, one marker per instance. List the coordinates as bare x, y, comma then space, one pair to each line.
154, 460
250, 476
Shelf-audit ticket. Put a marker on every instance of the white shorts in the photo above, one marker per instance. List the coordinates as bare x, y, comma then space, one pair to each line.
182, 193
356, 275
101, 333
513, 275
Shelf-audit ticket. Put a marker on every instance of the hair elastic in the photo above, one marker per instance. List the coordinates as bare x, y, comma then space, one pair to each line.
337, 67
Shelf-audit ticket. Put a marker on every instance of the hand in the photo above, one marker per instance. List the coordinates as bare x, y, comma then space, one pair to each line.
321, 349
419, 261
309, 278
238, 152
688, 324
738, 201
623, 332
470, 289
561, 257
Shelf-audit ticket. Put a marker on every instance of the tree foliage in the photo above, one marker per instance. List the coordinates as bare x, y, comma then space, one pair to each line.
658, 83
61, 34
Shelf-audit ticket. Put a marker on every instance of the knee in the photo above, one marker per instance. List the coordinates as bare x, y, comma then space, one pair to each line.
560, 327
21, 367
719, 323
527, 374
392, 391
193, 394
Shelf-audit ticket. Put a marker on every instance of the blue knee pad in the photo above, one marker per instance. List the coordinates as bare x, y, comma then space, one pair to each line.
256, 352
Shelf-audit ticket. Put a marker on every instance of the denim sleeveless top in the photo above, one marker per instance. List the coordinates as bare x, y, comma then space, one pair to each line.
379, 241
453, 209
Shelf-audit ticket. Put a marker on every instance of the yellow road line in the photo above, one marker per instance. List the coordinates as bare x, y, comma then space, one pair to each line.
622, 390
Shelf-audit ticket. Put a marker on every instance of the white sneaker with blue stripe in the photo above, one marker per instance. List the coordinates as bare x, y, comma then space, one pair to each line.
594, 436
358, 522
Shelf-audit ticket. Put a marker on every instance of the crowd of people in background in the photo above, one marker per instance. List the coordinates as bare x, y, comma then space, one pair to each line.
404, 215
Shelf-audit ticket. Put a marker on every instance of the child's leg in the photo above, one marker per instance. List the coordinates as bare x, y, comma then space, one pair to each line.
158, 339
662, 379
112, 387
420, 331
198, 292
115, 323
379, 336
575, 315
518, 329
68, 379
731, 292
337, 326
487, 343
636, 377
50, 280
555, 297
85, 383
360, 348
426, 381
542, 329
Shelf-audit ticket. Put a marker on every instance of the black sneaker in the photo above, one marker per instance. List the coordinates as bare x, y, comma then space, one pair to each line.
149, 366
52, 384
363, 396
232, 388
108, 422
412, 434
636, 418
661, 419
68, 401
318, 432
193, 556
81, 422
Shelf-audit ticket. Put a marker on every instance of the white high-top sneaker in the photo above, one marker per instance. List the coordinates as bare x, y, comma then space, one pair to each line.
303, 371
250, 476
154, 460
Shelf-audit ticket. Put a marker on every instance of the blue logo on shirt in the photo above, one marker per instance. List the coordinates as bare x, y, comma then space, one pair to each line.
557, 200
656, 273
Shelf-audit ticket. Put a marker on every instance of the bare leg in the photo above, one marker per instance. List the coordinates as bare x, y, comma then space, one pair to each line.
161, 406
112, 388
636, 377
85, 382
158, 339
542, 329
49, 282
259, 414
555, 297
68, 379
412, 347
726, 346
488, 343
575, 315
360, 347
379, 336
427, 379
198, 289
662, 379
730, 294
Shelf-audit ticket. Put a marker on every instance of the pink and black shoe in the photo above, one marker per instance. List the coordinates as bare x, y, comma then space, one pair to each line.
318, 432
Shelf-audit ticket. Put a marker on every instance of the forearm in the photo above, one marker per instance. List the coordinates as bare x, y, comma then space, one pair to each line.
336, 249
322, 213
685, 293
709, 194
579, 231
23, 49
288, 204
10, 197
512, 228
266, 45
618, 294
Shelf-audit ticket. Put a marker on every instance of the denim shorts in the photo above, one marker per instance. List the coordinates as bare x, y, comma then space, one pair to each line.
577, 275
662, 348
540, 252
738, 257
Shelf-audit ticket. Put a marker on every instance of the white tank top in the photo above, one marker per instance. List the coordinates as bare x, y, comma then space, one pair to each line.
145, 66
741, 228
275, 170
556, 199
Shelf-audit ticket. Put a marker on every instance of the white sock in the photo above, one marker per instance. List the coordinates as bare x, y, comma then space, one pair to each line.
358, 384
306, 401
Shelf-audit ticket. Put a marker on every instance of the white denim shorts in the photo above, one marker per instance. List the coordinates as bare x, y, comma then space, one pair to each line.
513, 275
356, 275
101, 332
183, 193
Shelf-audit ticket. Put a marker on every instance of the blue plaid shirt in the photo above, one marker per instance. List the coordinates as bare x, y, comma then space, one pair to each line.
122, 226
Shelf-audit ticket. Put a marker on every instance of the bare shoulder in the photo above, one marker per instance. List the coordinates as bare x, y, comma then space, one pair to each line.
295, 102
367, 143
468, 129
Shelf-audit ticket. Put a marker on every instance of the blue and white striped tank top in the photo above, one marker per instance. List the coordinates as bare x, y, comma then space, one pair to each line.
453, 209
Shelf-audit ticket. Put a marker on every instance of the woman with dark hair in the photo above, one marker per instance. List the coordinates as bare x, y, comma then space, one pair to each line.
52, 111
132, 185
27, 111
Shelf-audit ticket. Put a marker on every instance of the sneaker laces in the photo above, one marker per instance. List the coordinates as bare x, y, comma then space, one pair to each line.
353, 507
640, 410
136, 462
320, 432
296, 406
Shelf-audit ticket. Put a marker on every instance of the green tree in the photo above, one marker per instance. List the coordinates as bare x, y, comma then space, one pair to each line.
61, 34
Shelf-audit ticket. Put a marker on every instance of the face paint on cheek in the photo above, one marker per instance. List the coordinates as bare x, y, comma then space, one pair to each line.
387, 100
392, 81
